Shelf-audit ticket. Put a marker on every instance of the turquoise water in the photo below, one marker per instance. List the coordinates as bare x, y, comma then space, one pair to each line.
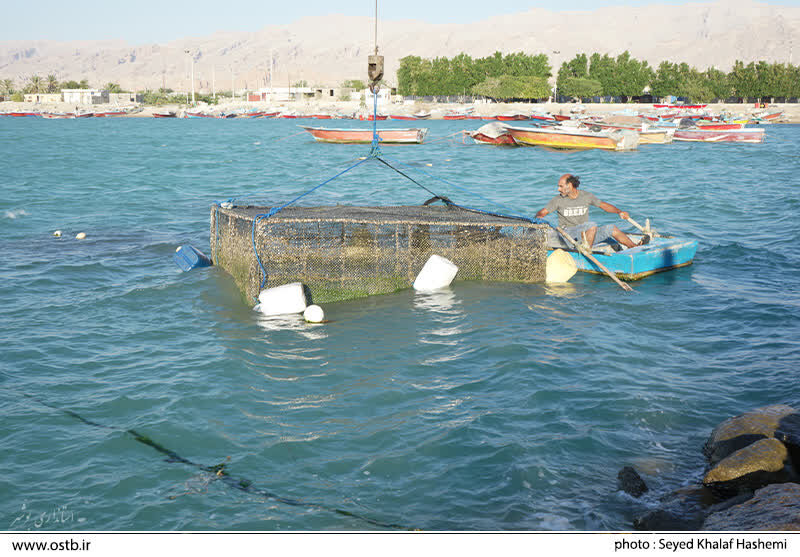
484, 407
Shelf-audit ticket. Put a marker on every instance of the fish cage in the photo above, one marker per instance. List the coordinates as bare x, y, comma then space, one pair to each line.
346, 252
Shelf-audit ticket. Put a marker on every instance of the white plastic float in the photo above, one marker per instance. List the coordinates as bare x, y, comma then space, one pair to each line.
437, 272
282, 300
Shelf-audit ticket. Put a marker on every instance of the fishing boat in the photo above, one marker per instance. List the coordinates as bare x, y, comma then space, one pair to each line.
372, 117
164, 114
744, 135
557, 138
455, 116
720, 125
661, 254
493, 133
656, 136
356, 135
401, 117
422, 115
512, 117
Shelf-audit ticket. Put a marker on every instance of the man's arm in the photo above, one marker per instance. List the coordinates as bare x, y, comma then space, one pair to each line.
542, 213
609, 208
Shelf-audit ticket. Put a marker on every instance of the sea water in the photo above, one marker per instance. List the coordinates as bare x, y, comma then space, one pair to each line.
138, 397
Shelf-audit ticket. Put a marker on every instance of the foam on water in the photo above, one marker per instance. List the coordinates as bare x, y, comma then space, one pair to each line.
479, 407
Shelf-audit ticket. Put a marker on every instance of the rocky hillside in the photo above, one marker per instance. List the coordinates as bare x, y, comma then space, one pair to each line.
327, 49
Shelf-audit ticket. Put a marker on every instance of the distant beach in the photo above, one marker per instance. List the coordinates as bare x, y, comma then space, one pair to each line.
791, 111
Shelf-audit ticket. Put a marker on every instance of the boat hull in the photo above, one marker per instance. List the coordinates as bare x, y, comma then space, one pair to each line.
562, 139
661, 254
399, 136
745, 135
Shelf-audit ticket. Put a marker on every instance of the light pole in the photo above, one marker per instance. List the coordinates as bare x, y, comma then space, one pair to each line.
192, 58
555, 82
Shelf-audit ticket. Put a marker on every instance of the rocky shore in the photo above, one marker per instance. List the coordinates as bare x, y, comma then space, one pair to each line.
751, 481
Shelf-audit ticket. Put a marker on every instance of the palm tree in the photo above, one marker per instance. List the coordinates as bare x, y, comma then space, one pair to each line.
7, 86
34, 84
84, 84
52, 84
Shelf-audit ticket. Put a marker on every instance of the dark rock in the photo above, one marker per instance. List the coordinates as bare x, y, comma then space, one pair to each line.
764, 462
740, 431
775, 507
683, 509
788, 432
629, 481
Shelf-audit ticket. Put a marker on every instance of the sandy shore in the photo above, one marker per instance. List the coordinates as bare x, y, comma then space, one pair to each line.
437, 110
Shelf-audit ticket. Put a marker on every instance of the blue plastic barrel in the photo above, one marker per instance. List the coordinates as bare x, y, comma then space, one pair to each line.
188, 258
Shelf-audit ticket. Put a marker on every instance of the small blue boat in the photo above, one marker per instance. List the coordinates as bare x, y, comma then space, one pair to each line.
661, 254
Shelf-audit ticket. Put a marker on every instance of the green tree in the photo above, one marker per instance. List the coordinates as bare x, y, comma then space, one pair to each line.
513, 87
84, 84
52, 84
7, 86
71, 84
744, 79
718, 84
579, 87
356, 84
113, 87
630, 76
601, 68
35, 85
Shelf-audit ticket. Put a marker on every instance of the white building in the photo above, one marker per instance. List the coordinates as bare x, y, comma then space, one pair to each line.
85, 96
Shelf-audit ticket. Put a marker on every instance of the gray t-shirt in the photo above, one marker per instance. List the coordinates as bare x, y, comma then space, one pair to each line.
572, 212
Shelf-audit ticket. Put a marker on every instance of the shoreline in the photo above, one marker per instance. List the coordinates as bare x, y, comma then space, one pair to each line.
791, 110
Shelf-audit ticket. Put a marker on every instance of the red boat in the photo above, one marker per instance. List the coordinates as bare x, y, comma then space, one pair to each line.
165, 114
492, 133
513, 117
719, 126
109, 113
454, 116
321, 116
21, 114
744, 135
542, 117
401, 117
356, 135
372, 117
561, 117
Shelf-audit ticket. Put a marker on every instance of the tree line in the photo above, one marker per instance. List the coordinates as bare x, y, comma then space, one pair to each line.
49, 84
522, 76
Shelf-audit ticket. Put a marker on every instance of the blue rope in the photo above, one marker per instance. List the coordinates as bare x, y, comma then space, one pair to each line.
375, 150
276, 210
510, 214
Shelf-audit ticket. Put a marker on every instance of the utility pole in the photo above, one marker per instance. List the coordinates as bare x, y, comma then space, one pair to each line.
192, 59
233, 97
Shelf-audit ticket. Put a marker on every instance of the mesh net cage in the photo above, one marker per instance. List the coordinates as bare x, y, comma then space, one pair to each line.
347, 252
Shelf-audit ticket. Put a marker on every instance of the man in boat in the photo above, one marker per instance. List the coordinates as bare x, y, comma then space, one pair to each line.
572, 206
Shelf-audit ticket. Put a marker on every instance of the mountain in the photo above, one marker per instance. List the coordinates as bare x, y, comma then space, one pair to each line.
325, 50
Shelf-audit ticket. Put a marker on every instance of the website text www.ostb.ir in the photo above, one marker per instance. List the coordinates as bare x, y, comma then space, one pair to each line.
64, 545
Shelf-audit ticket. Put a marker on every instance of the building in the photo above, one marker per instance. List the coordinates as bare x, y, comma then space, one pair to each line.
282, 94
125, 98
85, 96
42, 98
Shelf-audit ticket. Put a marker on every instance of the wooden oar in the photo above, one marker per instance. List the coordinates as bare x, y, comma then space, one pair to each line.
646, 230
593, 259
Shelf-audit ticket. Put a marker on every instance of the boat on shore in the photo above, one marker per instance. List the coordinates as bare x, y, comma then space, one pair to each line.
744, 135
165, 114
559, 138
357, 135
661, 254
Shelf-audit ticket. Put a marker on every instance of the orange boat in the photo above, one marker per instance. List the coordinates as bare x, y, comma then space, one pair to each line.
360, 135
493, 133
555, 138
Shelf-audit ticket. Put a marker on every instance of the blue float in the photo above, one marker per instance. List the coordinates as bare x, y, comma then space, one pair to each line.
188, 258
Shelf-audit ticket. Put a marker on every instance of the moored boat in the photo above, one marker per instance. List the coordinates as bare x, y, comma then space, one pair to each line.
661, 254
165, 114
356, 135
493, 133
744, 135
613, 140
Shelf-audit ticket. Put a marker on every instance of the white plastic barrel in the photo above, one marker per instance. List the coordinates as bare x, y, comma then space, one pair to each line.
560, 266
437, 273
281, 300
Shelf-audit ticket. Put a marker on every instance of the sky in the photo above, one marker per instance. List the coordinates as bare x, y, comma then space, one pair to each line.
151, 21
